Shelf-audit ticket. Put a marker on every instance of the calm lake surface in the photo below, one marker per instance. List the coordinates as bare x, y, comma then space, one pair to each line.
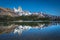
30, 31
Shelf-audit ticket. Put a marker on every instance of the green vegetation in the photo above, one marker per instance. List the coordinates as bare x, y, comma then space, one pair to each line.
6, 18
31, 18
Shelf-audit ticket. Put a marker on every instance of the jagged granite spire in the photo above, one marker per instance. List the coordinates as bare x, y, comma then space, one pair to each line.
18, 10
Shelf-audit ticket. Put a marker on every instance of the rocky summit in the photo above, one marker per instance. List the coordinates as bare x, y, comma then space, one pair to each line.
19, 14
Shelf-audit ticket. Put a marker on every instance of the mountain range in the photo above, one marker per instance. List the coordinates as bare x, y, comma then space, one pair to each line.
19, 12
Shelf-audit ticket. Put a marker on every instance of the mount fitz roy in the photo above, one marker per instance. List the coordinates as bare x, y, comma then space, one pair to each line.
20, 13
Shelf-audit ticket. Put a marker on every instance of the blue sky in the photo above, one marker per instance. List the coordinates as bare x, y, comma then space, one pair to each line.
49, 6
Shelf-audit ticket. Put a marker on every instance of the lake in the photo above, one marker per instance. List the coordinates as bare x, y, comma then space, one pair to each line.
29, 30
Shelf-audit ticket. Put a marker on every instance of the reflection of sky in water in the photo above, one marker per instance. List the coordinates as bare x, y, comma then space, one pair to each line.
32, 33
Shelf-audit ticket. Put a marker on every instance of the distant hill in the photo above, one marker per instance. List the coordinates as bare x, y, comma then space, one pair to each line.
7, 11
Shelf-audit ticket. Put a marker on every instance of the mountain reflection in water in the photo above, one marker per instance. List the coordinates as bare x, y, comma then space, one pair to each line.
30, 31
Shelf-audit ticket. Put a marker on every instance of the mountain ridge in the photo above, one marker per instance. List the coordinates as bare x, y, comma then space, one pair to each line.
26, 14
